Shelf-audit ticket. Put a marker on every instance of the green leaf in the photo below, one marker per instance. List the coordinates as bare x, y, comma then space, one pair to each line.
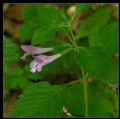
14, 78
106, 37
37, 16
94, 21
30, 12
27, 30
31, 76
42, 14
10, 51
94, 60
46, 32
113, 74
99, 103
49, 15
41, 100
31, 21
82, 6
43, 34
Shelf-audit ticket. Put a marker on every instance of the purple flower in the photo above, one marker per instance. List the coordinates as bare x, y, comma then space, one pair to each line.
33, 50
41, 60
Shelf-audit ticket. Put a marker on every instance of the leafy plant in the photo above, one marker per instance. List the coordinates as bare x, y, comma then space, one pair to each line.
89, 55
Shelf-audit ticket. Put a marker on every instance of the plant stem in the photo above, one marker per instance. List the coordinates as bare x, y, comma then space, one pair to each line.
85, 93
66, 51
73, 38
73, 82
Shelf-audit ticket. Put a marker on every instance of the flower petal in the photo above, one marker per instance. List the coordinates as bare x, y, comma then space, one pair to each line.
41, 60
33, 63
36, 66
52, 58
33, 66
35, 50
47, 59
39, 67
33, 70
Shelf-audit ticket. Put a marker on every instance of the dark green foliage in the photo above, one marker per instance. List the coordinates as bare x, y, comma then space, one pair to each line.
41, 100
82, 7
36, 17
97, 40
106, 37
96, 20
10, 51
30, 12
113, 74
45, 100
49, 15
94, 60
14, 78
27, 30
99, 105
46, 32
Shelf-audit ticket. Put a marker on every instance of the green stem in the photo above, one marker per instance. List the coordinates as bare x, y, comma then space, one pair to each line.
73, 38
74, 15
85, 93
73, 82
66, 51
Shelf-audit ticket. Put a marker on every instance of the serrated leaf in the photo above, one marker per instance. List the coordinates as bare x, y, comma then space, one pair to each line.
10, 51
106, 37
99, 104
94, 21
94, 60
40, 100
